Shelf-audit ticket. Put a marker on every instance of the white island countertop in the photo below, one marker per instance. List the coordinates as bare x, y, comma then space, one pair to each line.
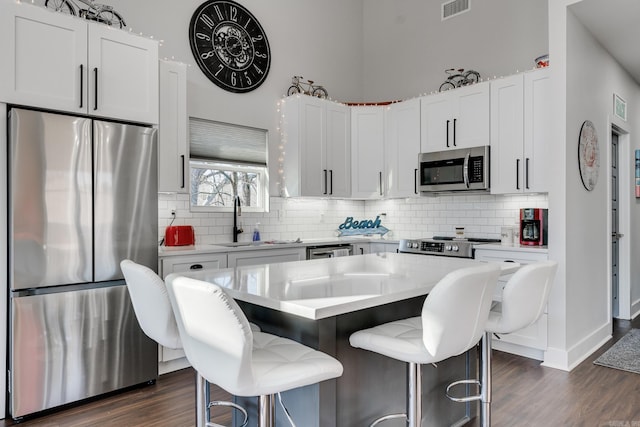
321, 288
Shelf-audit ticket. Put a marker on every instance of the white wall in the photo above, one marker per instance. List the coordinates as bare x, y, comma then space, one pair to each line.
584, 78
407, 47
588, 62
318, 40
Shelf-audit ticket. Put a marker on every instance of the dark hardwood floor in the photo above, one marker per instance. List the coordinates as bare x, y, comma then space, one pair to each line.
524, 394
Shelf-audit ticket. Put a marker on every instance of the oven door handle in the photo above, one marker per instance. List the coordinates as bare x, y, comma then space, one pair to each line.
465, 169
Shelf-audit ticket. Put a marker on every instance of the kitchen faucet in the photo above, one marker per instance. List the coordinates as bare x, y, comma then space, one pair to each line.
237, 212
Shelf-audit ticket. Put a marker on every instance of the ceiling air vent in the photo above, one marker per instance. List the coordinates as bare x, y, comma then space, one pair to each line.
454, 8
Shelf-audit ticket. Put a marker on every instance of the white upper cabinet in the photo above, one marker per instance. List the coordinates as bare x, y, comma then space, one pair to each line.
537, 128
44, 58
316, 140
520, 132
173, 133
401, 149
51, 60
123, 75
367, 148
457, 118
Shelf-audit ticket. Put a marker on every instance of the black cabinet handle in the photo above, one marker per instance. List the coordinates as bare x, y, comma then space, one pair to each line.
526, 174
415, 181
517, 174
95, 78
380, 181
182, 157
448, 133
81, 83
454, 132
196, 267
331, 181
325, 181
361, 251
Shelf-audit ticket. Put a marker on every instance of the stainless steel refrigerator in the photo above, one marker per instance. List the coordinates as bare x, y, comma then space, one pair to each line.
82, 197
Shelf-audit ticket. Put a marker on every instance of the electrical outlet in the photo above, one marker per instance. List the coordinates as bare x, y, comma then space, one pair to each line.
173, 212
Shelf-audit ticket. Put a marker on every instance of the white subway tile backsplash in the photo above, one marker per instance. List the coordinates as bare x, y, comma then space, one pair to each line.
481, 215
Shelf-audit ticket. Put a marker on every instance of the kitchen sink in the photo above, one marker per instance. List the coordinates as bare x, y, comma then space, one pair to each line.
262, 243
237, 244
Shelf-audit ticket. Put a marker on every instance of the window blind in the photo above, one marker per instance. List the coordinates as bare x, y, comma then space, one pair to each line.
225, 142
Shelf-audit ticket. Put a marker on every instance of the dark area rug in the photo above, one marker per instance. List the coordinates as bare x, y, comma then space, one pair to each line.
624, 355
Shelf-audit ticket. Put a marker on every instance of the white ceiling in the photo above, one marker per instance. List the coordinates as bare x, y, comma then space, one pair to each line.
616, 24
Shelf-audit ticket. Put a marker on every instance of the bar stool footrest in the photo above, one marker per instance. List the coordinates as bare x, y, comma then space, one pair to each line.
465, 398
386, 418
231, 405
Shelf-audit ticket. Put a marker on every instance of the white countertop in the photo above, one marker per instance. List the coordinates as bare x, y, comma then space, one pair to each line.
164, 251
513, 248
321, 288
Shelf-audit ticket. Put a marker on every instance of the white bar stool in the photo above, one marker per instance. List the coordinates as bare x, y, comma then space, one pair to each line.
221, 346
524, 298
153, 310
452, 321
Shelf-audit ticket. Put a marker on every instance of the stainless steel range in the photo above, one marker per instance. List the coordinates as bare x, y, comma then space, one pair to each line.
443, 246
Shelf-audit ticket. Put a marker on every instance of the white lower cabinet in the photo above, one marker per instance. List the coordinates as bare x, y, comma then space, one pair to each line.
361, 248
181, 263
171, 359
531, 341
265, 256
380, 247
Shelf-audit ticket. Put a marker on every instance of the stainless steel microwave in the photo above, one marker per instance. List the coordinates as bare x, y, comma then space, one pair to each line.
461, 169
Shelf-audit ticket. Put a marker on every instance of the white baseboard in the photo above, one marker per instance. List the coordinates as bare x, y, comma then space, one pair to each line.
531, 353
566, 360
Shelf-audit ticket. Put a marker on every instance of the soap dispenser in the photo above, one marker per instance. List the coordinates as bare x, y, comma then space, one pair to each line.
256, 233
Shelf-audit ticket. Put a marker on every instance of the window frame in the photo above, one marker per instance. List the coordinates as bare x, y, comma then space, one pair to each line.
262, 192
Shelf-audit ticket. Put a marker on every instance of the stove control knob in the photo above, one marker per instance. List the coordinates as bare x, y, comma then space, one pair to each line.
413, 245
447, 247
455, 248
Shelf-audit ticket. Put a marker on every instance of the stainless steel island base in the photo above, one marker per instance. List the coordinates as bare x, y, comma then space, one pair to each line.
371, 385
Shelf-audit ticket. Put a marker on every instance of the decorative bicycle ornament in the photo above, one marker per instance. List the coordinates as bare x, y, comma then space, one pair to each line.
459, 77
306, 87
94, 12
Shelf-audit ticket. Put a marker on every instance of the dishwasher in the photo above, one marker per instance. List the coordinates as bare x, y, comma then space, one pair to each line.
329, 251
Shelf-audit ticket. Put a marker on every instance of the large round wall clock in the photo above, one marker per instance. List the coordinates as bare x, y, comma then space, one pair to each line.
229, 45
588, 155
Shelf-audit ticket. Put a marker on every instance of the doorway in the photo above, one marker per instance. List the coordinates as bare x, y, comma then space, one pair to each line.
615, 227
620, 223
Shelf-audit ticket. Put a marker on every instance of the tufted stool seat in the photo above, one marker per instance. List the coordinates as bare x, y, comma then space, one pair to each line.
152, 307
221, 346
524, 299
452, 321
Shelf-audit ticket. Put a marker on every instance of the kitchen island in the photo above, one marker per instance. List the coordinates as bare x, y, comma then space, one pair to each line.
320, 303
